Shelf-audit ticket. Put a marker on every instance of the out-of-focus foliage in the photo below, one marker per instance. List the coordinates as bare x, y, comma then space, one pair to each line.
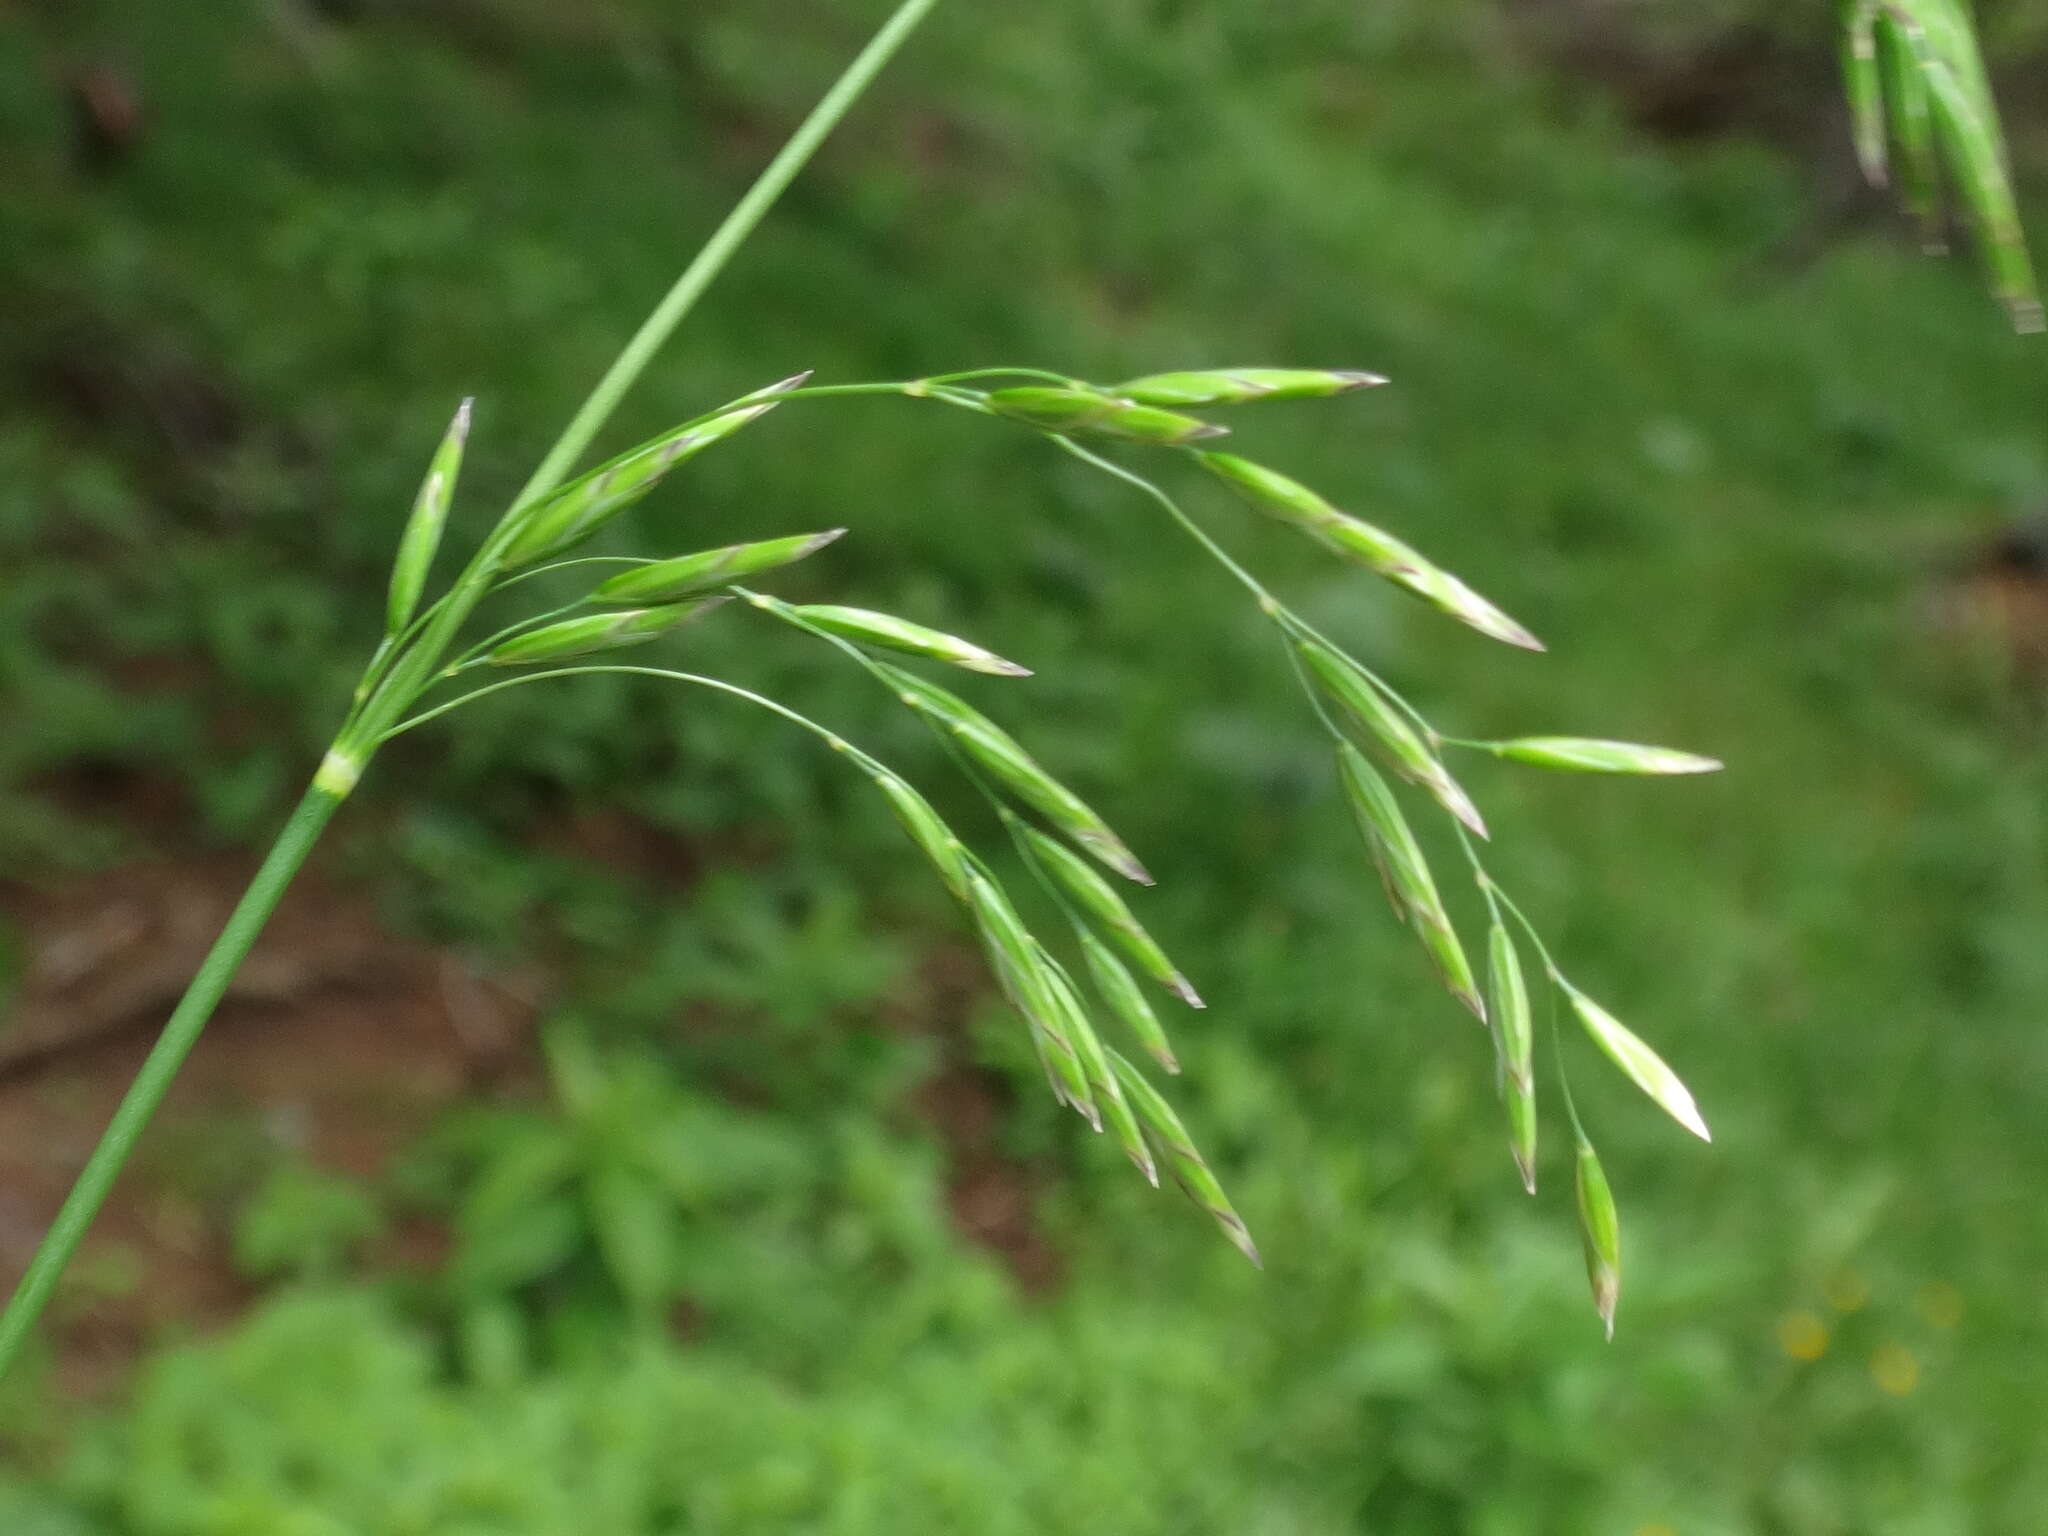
1712, 460
2011, 29
1915, 74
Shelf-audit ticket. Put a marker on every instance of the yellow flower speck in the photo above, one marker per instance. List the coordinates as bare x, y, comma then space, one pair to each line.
1802, 1336
1894, 1369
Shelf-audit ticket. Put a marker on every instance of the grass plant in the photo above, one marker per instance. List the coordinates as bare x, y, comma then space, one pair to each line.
1915, 61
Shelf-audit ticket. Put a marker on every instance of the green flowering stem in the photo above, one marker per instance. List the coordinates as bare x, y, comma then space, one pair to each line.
216, 971
962, 760
908, 389
724, 243
825, 733
972, 374
1290, 622
404, 665
1194, 530
1499, 901
389, 649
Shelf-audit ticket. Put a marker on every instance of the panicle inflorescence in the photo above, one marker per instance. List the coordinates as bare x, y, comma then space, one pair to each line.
1059, 837
1365, 716
1915, 74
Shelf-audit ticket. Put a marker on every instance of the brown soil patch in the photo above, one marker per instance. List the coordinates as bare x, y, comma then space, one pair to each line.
338, 1042
993, 1197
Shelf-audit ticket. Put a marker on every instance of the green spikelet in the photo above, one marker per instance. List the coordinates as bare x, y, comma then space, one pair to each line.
866, 627
1579, 754
1183, 1159
1387, 832
566, 517
667, 581
926, 830
1368, 711
1291, 502
1242, 386
1084, 410
597, 632
1094, 1061
1120, 990
1093, 895
422, 538
1508, 1005
1014, 956
1000, 754
1643, 1066
1600, 1230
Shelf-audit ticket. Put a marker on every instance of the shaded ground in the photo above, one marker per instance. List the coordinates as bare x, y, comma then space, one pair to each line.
339, 1042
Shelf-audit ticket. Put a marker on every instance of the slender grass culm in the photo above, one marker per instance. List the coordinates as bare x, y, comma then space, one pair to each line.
1915, 58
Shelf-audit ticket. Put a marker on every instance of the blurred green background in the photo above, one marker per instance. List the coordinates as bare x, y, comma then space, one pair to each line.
619, 1135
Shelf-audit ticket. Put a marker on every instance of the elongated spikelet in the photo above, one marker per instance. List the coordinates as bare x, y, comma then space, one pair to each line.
422, 537
1093, 895
1912, 110
930, 834
1600, 1230
598, 632
1507, 993
1378, 851
1643, 1066
1014, 956
1094, 1060
1000, 754
1293, 503
891, 633
1120, 990
1183, 1159
1865, 89
1240, 386
1434, 585
666, 581
1369, 711
1085, 410
568, 516
1386, 830
1579, 754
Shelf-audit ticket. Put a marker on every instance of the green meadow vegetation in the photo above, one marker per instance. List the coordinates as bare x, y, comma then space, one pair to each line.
705, 1272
